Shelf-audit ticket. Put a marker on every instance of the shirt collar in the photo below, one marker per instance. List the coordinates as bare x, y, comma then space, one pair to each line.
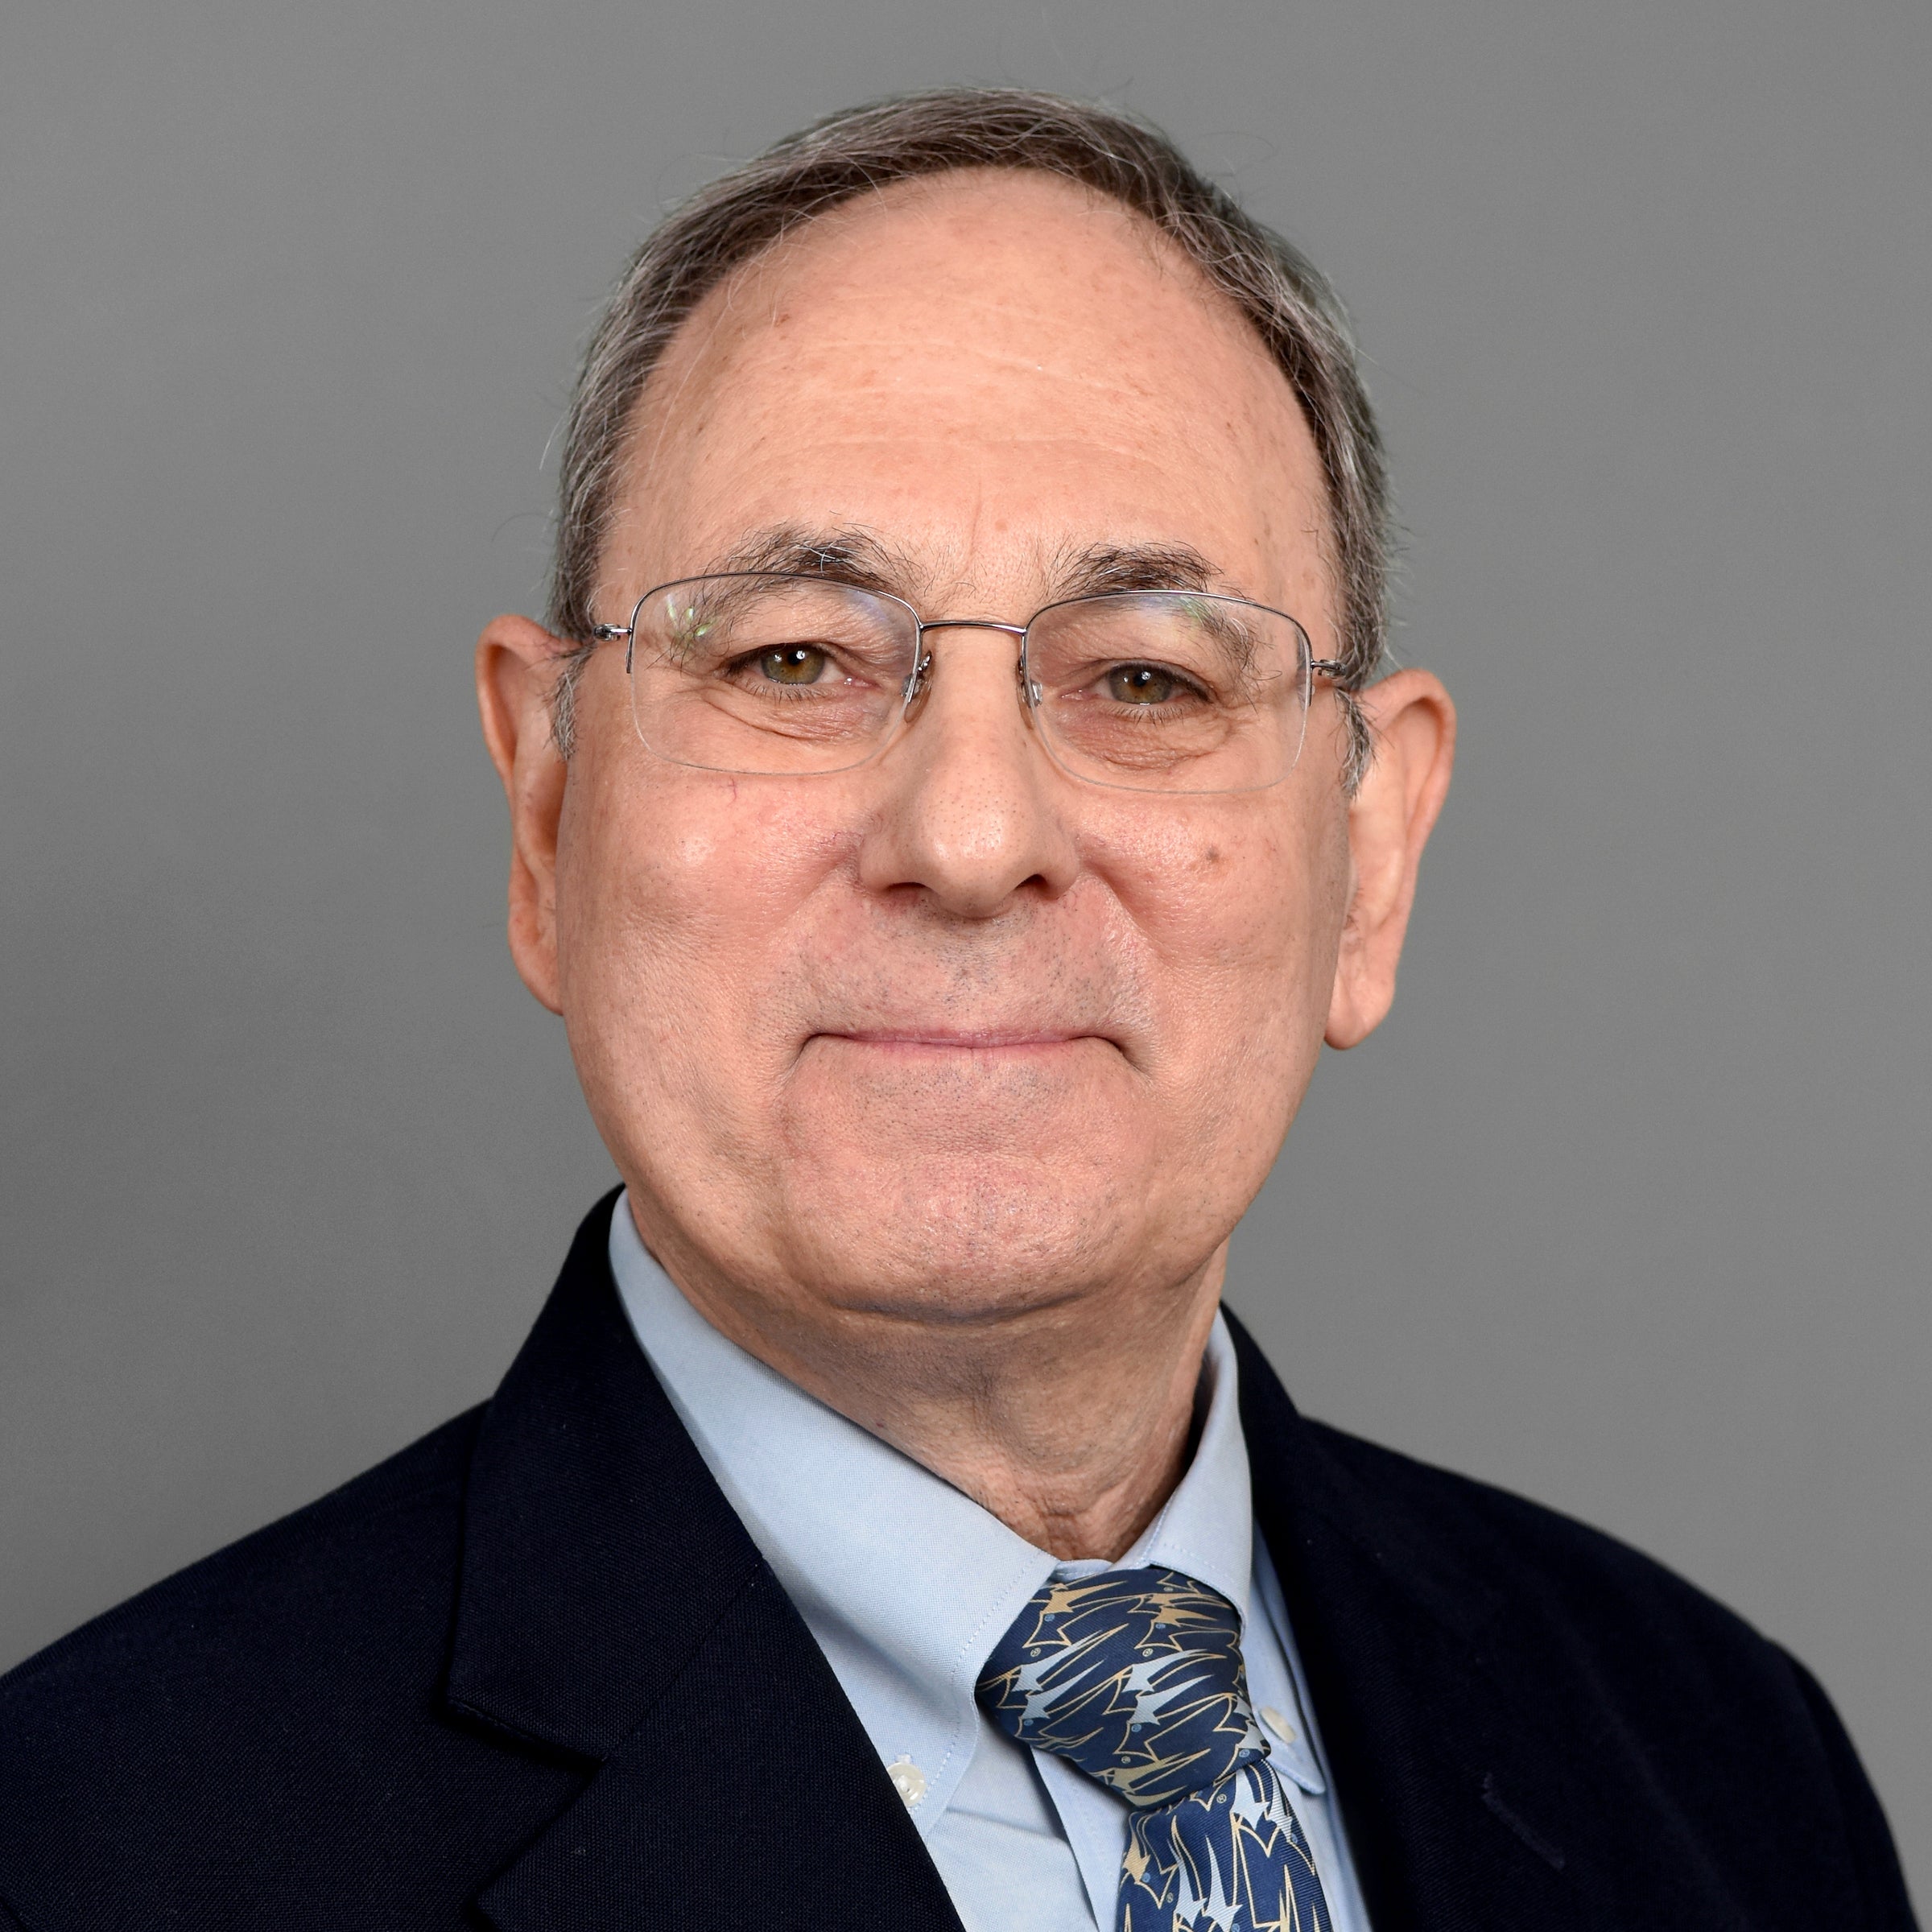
1206, 1529
906, 1583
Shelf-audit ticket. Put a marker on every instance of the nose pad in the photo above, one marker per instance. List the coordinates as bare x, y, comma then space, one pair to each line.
915, 681
918, 681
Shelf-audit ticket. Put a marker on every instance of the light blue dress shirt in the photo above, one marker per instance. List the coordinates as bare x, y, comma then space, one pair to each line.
907, 1584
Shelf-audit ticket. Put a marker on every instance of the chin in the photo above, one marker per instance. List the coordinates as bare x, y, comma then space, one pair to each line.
953, 1236
881, 1111
977, 1184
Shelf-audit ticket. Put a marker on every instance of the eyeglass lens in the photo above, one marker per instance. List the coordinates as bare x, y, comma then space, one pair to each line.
1158, 691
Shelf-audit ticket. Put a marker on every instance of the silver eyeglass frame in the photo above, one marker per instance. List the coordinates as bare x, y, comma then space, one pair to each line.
1031, 694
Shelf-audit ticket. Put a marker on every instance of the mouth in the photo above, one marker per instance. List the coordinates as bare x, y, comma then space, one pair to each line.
984, 1041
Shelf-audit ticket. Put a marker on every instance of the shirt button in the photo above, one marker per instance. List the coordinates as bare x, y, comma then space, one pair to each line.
908, 1779
1278, 1723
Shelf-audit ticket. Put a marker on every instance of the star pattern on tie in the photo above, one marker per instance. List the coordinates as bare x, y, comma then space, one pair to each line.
1136, 1677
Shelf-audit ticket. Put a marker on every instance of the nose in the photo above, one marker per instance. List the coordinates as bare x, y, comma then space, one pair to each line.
971, 811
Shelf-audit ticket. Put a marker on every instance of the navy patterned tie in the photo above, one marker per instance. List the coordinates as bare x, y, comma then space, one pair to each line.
1136, 1676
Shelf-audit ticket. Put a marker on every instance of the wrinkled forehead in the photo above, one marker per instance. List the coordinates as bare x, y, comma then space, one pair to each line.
987, 370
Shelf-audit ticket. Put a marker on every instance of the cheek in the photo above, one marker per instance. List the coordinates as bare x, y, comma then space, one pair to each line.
676, 892
1238, 919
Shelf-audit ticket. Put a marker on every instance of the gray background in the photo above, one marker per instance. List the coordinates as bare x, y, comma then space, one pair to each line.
1628, 1205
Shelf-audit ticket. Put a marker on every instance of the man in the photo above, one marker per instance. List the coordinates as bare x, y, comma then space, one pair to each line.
952, 802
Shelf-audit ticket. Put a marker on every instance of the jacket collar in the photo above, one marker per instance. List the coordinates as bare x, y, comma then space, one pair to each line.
581, 1485
613, 1609
1452, 1795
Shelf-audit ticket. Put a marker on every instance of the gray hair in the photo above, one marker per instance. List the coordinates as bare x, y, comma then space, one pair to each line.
864, 149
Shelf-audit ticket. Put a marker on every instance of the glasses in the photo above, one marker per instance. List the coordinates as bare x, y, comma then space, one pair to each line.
789, 675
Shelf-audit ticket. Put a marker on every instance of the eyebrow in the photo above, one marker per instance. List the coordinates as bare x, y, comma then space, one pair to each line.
1104, 567
851, 554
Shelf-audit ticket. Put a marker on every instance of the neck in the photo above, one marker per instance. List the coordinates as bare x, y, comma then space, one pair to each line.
1069, 1423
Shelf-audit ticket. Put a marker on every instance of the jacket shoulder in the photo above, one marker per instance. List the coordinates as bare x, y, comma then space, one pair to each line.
1655, 1686
280, 1600
275, 1709
1514, 1556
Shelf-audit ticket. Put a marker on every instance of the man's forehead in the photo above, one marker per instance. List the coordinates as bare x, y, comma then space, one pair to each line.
965, 292
968, 375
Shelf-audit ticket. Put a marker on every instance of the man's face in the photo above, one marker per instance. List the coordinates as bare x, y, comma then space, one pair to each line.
952, 1035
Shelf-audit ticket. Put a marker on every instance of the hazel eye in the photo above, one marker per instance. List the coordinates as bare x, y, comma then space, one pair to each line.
794, 664
1141, 684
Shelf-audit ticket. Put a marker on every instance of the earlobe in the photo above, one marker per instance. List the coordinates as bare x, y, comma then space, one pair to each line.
516, 670
1412, 726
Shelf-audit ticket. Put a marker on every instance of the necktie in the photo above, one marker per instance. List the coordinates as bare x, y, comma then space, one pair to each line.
1136, 1677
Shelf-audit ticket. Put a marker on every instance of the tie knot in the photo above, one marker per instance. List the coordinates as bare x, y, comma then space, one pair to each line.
1135, 1675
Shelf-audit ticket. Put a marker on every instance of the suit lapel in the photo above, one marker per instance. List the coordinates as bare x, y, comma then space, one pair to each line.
1454, 1800
613, 1611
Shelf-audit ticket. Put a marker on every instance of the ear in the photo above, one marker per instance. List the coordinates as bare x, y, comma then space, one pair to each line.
1412, 729
516, 675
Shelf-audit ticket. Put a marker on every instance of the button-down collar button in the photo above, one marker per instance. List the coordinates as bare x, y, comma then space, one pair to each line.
1276, 1721
908, 1779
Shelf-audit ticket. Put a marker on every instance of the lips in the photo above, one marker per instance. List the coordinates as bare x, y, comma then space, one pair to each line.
950, 1039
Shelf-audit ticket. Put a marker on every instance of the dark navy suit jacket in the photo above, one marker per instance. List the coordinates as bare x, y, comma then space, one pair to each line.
532, 1674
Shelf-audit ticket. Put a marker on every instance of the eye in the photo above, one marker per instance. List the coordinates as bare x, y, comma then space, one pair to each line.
794, 664
1141, 684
